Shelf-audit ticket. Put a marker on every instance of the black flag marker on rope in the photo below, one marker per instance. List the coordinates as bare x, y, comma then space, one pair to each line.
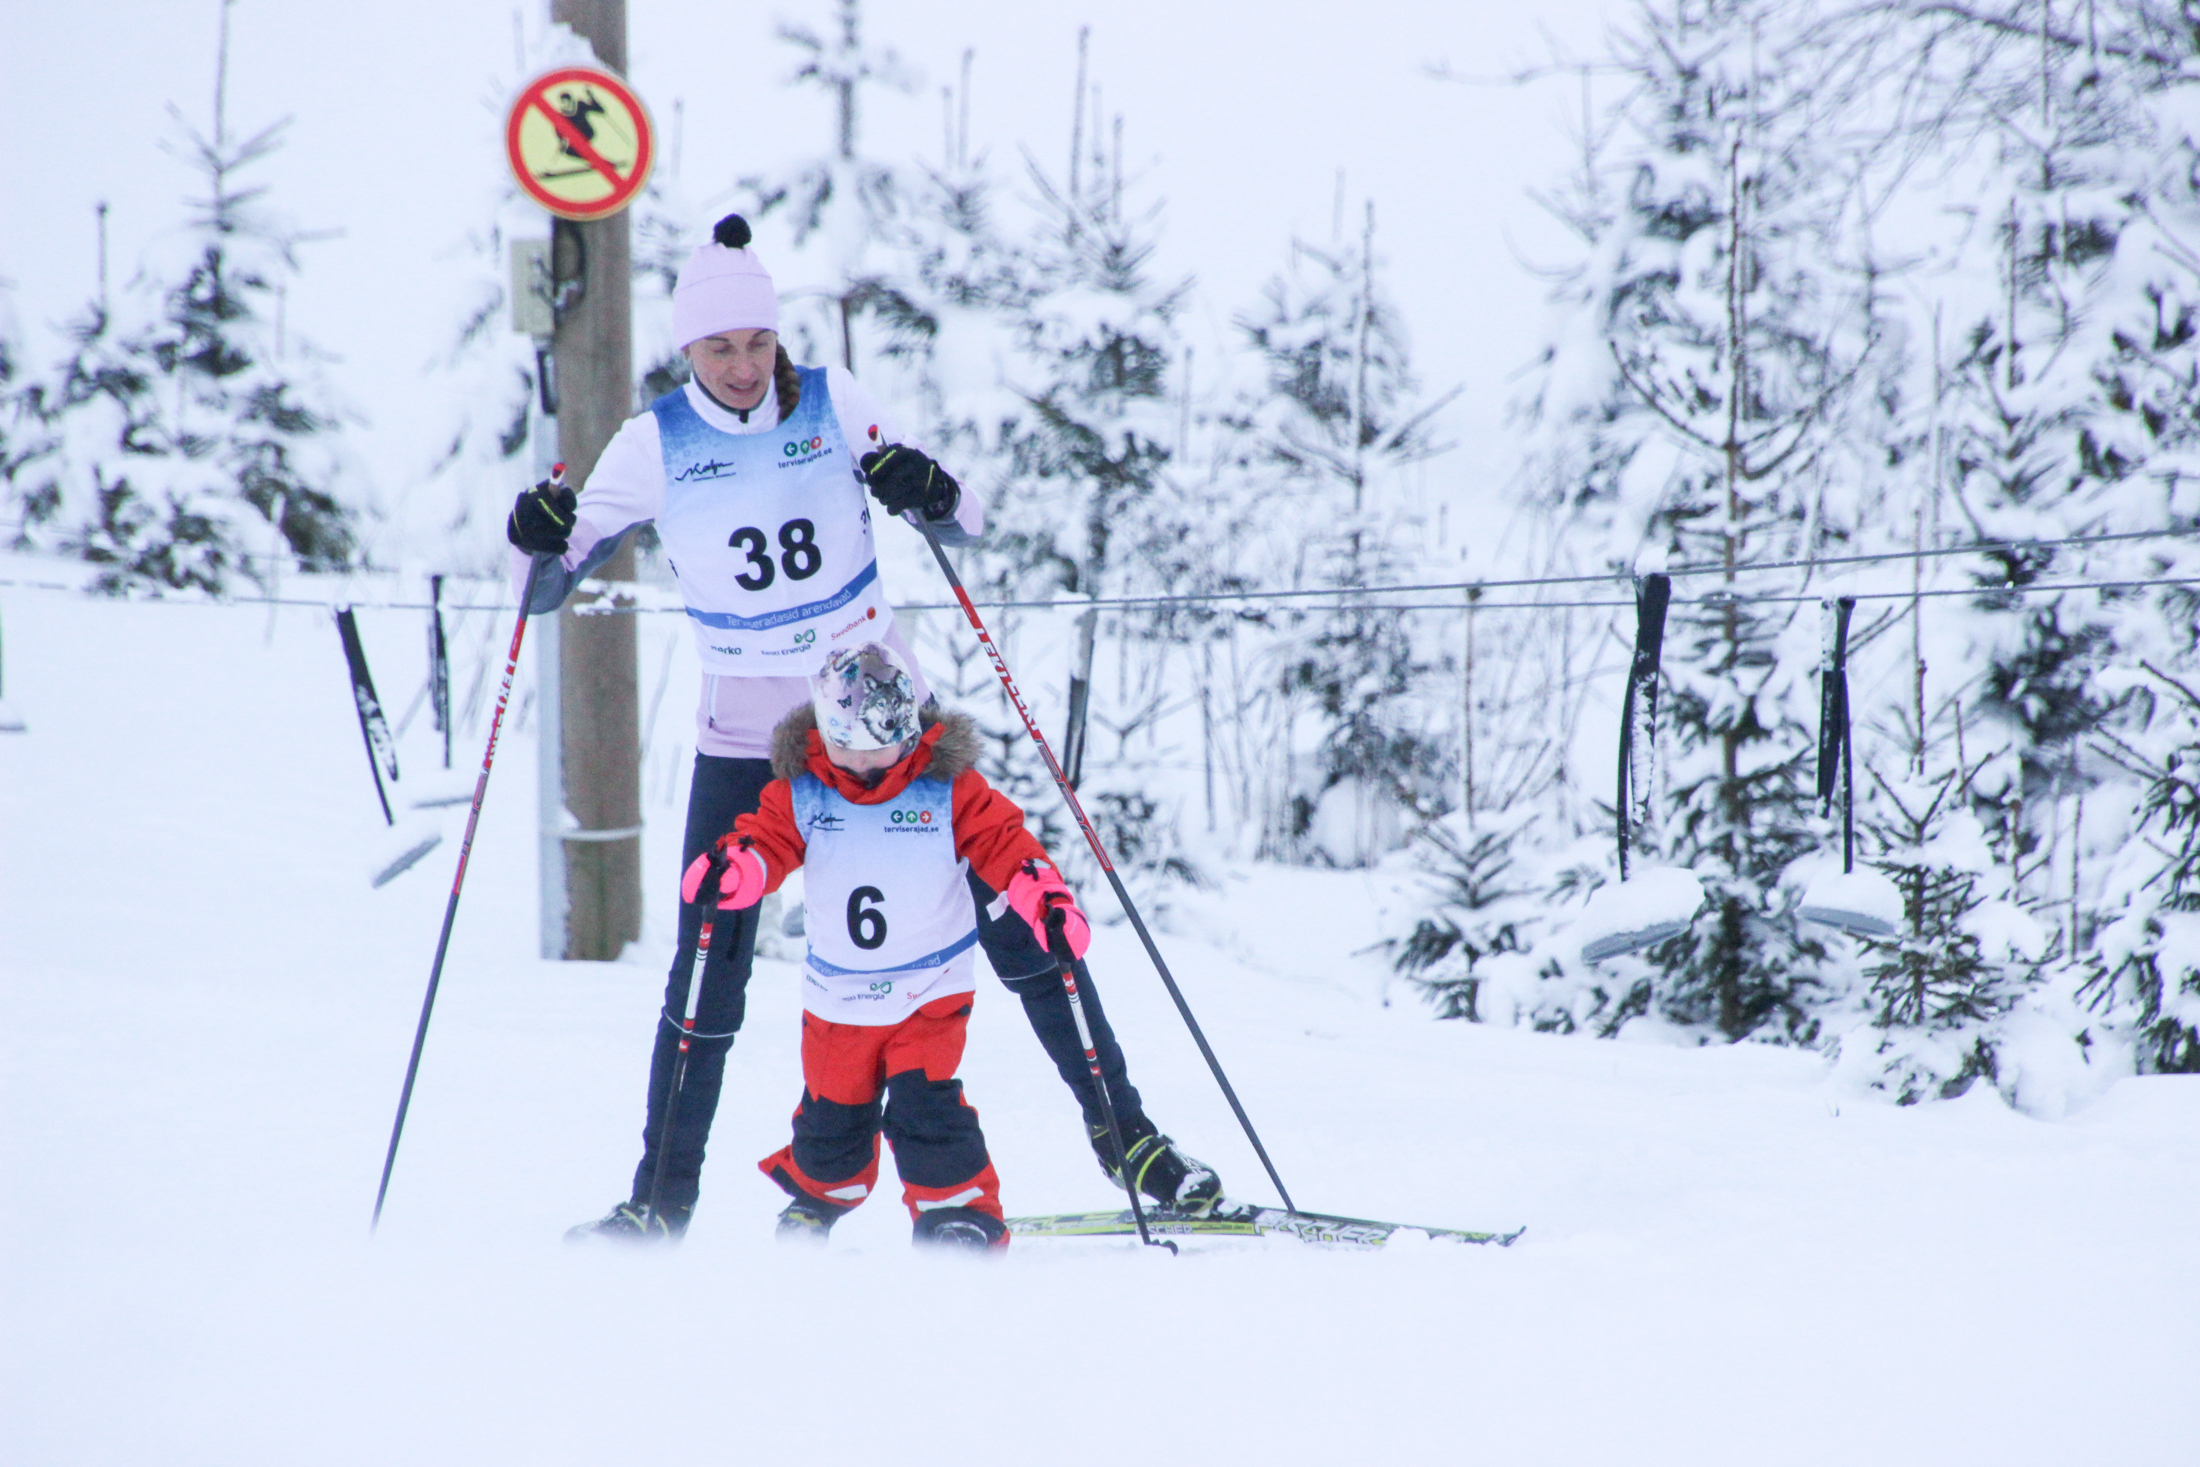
373, 727
1863, 903
1638, 712
1649, 906
1834, 764
439, 667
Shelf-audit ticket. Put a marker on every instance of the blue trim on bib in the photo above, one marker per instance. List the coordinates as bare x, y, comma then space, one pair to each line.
727, 621
929, 960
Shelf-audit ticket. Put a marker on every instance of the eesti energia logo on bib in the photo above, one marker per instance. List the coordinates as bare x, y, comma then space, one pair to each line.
802, 451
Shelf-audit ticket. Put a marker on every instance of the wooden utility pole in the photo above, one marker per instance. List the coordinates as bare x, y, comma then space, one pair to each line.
594, 350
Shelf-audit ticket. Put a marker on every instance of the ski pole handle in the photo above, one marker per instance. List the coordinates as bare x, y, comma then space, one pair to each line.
714, 877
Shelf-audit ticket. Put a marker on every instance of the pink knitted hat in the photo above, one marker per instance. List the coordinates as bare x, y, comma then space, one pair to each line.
723, 287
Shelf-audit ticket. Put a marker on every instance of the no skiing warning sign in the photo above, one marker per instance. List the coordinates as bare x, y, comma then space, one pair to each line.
579, 142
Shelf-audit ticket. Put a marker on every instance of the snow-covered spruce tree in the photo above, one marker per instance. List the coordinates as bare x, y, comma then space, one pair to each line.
840, 206
2148, 961
488, 379
1091, 506
2026, 465
2144, 975
1937, 989
1337, 417
1737, 308
23, 439
1485, 906
945, 338
183, 424
2061, 391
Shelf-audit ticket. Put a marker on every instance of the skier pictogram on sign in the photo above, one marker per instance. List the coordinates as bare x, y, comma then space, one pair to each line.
579, 142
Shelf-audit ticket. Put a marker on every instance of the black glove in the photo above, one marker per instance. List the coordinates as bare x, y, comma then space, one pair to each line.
542, 518
903, 479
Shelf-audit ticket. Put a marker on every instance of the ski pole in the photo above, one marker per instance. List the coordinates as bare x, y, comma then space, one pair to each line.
1099, 852
465, 849
706, 897
1058, 947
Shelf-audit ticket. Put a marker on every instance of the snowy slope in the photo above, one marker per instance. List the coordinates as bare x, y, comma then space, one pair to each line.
207, 1014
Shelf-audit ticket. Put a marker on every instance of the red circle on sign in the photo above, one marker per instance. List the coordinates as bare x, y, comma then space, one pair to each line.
618, 176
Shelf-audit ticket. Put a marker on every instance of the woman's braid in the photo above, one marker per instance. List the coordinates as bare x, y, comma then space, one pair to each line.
787, 383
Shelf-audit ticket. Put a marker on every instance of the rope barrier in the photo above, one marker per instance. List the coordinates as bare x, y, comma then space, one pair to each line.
1472, 588
1716, 598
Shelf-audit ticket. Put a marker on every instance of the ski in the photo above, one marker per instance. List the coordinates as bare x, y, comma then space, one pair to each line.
1244, 1220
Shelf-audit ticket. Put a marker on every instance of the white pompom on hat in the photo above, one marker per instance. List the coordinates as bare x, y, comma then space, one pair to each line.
723, 287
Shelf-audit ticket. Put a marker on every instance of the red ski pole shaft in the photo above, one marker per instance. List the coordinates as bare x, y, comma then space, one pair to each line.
1100, 854
458, 881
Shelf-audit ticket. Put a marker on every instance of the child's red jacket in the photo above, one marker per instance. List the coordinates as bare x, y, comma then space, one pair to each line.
989, 826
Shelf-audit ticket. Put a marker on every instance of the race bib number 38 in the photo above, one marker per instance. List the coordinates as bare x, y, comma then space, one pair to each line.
774, 549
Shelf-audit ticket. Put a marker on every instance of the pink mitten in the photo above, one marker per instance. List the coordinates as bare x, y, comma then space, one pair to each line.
1036, 890
741, 884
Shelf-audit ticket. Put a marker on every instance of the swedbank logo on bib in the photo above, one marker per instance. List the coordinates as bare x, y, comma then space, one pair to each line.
802, 451
870, 613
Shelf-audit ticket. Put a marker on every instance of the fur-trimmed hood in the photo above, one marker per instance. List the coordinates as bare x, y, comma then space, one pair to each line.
953, 752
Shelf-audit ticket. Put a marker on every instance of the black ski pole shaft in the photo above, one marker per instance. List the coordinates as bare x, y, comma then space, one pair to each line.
1100, 854
458, 881
1058, 946
707, 898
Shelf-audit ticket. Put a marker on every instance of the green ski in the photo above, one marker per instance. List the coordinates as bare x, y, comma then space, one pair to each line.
1244, 1221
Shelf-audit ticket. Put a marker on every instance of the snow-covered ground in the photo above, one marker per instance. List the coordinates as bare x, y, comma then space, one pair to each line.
206, 1016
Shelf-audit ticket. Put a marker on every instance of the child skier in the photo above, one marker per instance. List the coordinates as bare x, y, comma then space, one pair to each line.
881, 803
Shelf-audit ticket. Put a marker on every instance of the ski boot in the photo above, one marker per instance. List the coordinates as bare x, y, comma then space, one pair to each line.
960, 1229
807, 1220
634, 1222
1176, 1182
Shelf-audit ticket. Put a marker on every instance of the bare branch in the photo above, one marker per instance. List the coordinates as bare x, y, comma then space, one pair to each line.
1650, 400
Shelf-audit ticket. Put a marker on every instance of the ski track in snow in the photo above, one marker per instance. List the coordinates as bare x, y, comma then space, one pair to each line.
207, 1017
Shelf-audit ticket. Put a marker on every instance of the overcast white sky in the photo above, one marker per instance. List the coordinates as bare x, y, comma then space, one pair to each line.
1240, 115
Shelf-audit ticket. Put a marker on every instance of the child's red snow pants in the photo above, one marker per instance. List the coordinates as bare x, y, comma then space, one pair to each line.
846, 1070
